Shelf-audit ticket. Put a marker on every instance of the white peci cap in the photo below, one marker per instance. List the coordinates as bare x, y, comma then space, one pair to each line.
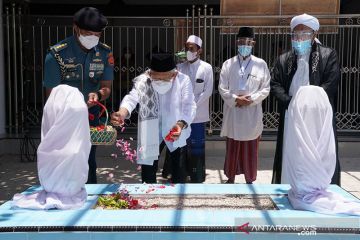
194, 39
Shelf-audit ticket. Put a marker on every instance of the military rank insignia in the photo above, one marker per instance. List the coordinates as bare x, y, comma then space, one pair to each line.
111, 59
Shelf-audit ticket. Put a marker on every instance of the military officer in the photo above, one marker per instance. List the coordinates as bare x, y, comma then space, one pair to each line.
83, 62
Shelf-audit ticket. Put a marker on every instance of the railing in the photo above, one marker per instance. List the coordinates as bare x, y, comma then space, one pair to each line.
27, 38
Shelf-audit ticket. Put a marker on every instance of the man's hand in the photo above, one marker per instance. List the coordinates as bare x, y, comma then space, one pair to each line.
118, 118
93, 97
243, 100
174, 133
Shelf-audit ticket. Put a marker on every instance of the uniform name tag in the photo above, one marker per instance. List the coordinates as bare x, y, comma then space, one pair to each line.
96, 67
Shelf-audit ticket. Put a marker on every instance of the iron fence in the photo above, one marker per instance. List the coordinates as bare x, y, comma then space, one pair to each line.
133, 40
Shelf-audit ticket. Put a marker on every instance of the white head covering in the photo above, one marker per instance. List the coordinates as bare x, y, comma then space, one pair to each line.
63, 152
194, 39
305, 19
310, 155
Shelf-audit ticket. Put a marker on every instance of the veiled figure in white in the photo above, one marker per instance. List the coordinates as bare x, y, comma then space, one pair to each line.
309, 155
62, 154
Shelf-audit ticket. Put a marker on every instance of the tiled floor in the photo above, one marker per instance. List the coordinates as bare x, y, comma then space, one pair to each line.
15, 176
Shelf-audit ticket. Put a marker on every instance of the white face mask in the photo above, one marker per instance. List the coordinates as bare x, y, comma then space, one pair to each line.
89, 41
191, 56
161, 87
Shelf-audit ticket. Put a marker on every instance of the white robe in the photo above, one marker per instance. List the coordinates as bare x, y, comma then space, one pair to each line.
310, 157
62, 154
252, 79
201, 76
176, 104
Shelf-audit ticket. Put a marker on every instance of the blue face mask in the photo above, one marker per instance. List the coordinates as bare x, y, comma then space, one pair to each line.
244, 50
301, 47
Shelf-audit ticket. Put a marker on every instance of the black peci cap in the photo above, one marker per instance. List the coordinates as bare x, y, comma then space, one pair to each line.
89, 18
246, 32
162, 62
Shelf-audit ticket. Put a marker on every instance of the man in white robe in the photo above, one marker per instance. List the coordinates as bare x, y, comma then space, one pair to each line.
244, 84
201, 76
166, 110
309, 156
62, 154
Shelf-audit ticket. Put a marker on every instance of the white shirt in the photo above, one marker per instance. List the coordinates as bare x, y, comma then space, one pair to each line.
177, 104
301, 76
250, 77
202, 79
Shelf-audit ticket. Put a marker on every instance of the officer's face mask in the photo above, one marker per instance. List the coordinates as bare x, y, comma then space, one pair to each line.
89, 41
244, 50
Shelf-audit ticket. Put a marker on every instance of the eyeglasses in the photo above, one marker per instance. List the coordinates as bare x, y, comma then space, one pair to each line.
161, 76
245, 41
301, 35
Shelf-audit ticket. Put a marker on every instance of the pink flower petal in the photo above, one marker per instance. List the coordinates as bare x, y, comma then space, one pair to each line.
150, 190
122, 129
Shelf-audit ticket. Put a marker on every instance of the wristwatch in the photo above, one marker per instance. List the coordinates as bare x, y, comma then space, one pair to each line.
184, 123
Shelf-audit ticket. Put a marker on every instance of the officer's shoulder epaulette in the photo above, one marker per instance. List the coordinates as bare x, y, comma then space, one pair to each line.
59, 47
103, 45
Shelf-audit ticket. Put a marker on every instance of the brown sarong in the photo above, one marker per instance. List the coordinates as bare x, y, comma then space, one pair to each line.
241, 158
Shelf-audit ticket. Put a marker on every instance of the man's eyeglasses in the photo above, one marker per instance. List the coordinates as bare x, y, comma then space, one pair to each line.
301, 35
161, 76
244, 41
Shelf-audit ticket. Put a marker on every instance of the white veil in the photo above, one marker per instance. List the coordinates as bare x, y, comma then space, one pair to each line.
62, 154
310, 155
